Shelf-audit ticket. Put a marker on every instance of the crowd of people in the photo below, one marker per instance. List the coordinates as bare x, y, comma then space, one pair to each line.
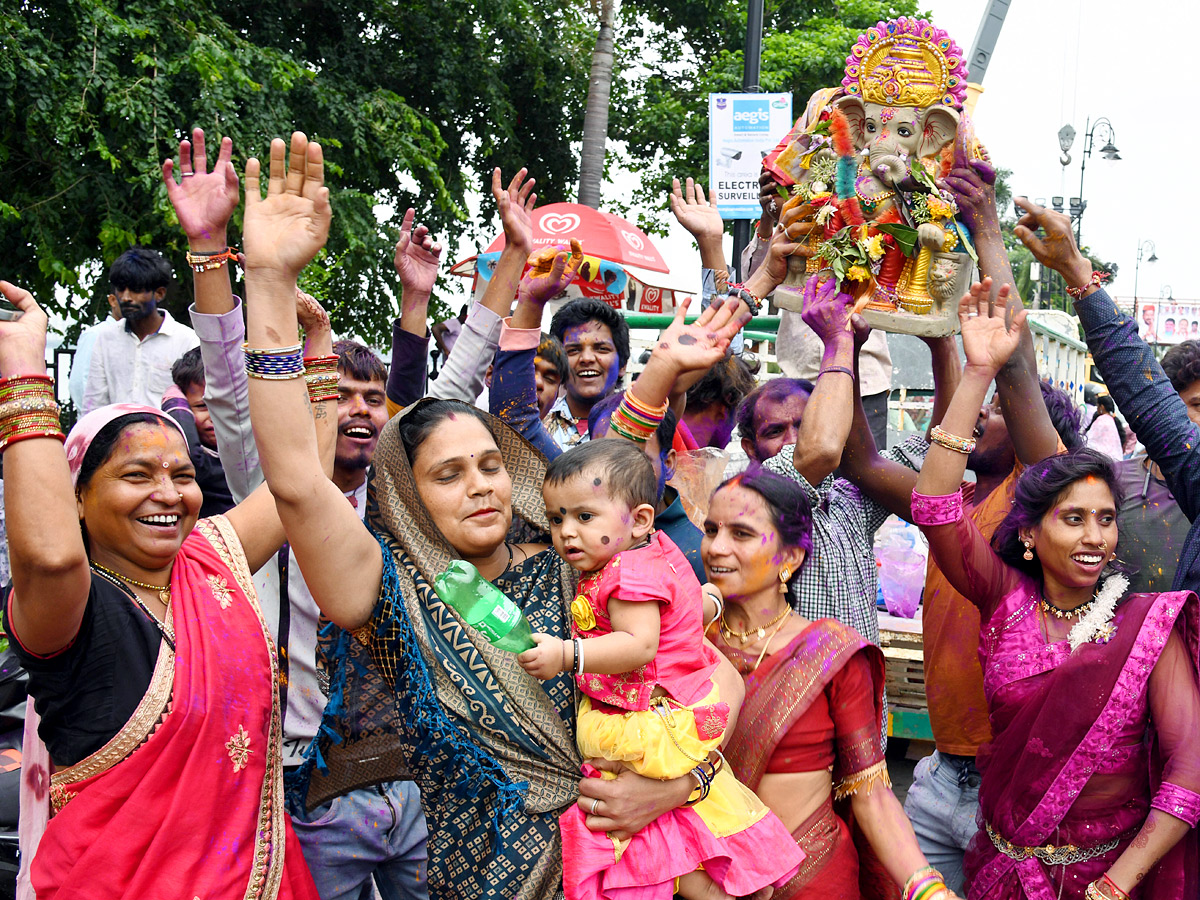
249, 679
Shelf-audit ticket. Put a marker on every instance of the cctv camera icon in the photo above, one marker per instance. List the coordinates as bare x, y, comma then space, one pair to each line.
727, 157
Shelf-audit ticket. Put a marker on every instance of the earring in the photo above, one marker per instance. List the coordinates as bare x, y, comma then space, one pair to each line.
1028, 554
784, 574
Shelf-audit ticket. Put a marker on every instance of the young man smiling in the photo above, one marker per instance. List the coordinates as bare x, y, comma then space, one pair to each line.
596, 340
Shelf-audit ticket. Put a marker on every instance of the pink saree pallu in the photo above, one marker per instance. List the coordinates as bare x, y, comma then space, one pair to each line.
1069, 776
186, 801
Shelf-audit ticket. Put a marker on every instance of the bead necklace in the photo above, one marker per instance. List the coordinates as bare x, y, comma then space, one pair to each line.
878, 198
758, 633
164, 593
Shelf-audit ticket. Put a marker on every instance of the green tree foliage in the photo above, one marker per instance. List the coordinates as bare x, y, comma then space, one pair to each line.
674, 53
414, 101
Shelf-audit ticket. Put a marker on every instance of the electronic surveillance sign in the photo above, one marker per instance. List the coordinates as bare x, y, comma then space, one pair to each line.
742, 129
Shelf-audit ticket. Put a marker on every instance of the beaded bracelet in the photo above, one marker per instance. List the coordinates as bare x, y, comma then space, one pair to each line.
206, 262
943, 438
749, 297
1097, 280
274, 364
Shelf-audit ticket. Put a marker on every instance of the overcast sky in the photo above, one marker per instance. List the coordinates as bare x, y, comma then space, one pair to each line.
1038, 80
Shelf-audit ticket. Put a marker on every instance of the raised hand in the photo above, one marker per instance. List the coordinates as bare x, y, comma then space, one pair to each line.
22, 340
417, 257
972, 180
284, 231
768, 196
790, 239
1056, 246
990, 331
702, 344
204, 201
311, 315
827, 310
551, 270
698, 215
515, 205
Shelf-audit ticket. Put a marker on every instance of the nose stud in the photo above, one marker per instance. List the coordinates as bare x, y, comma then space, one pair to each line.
1103, 546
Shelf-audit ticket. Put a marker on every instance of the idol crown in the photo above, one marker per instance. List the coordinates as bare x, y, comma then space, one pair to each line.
906, 62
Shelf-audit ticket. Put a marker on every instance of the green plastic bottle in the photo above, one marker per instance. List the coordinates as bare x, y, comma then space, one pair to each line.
484, 607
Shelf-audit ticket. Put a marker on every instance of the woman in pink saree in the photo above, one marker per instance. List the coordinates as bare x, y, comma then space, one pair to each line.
1091, 783
149, 661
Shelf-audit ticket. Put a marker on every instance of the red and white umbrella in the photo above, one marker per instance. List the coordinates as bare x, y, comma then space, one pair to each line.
602, 234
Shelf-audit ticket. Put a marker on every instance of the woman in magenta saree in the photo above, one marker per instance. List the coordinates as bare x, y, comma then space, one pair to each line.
149, 662
1091, 783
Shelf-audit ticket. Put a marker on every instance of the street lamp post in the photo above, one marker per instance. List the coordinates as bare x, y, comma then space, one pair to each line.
1108, 151
1152, 257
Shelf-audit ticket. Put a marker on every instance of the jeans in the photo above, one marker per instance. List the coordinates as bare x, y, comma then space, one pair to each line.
374, 832
942, 805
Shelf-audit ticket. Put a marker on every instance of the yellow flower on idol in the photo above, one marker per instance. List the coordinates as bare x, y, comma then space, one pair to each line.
858, 273
874, 246
939, 208
582, 613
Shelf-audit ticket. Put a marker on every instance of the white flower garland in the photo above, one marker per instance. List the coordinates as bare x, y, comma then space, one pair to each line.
1097, 624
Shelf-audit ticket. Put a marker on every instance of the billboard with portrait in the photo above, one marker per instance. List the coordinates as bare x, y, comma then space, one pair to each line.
1168, 321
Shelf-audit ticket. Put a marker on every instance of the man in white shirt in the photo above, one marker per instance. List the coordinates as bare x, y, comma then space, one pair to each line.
133, 364
81, 363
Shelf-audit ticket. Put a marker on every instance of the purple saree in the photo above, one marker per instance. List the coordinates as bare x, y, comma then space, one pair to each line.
1084, 742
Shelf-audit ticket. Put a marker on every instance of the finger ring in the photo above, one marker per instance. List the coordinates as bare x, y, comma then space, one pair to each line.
187, 174
972, 315
595, 803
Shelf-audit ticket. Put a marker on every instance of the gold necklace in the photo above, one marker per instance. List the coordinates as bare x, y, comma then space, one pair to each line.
164, 593
762, 655
758, 633
1082, 610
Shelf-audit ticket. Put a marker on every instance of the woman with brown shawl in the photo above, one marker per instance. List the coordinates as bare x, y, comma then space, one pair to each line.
413, 688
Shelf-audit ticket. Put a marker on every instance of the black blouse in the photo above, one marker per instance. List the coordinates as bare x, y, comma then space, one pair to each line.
86, 692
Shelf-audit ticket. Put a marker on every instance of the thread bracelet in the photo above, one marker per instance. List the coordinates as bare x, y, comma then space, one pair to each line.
206, 262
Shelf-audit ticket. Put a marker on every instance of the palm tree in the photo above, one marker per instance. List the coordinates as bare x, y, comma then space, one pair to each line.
595, 120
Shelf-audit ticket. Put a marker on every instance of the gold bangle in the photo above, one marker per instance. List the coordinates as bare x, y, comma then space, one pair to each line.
943, 438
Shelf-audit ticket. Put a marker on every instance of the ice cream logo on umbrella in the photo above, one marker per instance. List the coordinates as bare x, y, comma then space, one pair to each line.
560, 224
633, 240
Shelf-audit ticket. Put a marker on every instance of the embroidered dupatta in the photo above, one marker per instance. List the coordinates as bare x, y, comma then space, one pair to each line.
186, 800
1057, 719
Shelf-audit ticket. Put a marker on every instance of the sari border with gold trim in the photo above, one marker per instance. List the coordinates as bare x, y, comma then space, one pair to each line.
269, 838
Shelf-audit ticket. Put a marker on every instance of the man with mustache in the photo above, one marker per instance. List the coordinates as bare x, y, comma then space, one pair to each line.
133, 364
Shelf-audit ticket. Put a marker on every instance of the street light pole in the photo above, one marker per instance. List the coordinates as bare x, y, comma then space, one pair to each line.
1153, 257
1108, 151
751, 71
